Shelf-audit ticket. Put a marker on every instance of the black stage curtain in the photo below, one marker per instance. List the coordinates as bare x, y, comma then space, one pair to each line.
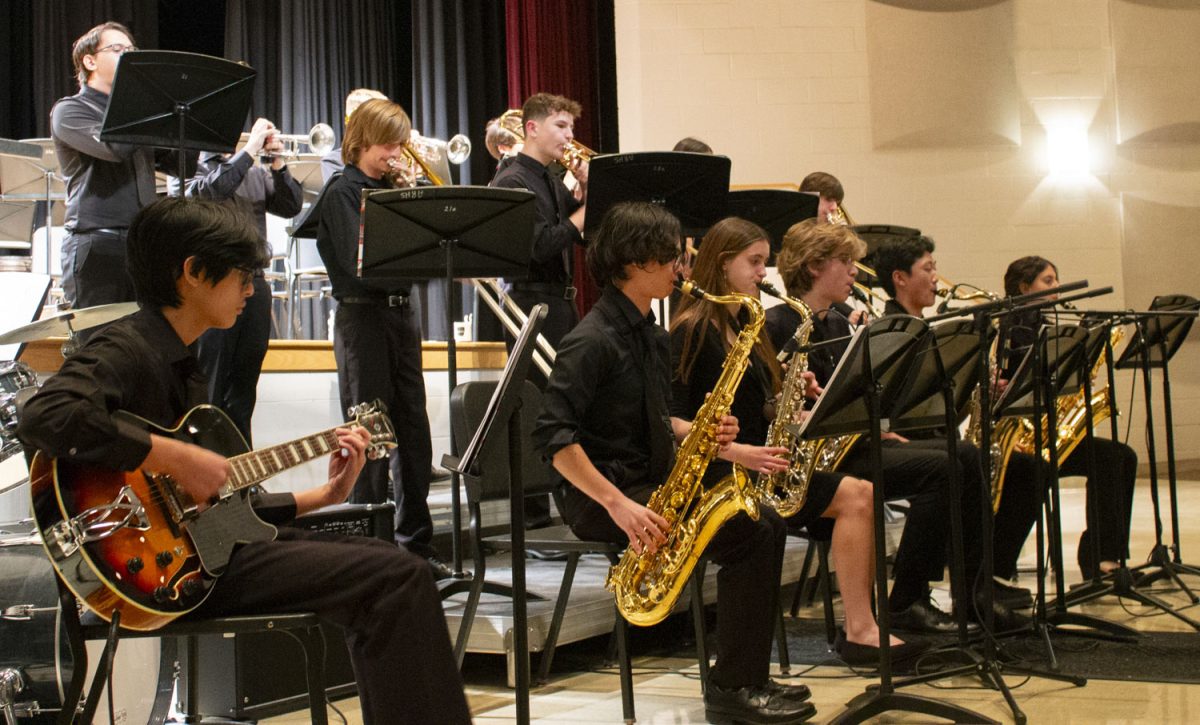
310, 53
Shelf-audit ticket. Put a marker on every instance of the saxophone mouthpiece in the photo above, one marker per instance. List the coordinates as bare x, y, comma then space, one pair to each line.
770, 289
689, 287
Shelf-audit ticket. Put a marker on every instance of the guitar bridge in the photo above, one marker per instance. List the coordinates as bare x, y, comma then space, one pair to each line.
99, 523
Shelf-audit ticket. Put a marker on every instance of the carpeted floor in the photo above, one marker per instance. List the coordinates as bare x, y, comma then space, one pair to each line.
1155, 657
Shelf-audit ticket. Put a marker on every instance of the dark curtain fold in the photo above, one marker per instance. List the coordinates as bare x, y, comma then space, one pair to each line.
310, 53
567, 47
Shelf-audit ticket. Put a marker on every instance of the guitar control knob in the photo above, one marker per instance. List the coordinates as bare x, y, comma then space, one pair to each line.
164, 558
191, 589
162, 595
134, 565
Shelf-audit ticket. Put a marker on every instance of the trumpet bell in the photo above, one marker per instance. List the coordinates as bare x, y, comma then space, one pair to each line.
458, 148
321, 139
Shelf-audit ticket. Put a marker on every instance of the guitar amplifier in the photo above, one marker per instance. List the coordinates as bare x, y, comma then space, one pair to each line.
261, 674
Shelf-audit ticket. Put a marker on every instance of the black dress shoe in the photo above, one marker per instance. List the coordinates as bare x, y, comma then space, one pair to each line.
865, 655
1012, 597
754, 706
923, 617
440, 569
1004, 619
795, 693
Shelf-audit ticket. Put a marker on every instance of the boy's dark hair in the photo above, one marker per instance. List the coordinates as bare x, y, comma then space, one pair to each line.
632, 232
89, 43
165, 234
899, 254
825, 184
541, 105
692, 144
1024, 271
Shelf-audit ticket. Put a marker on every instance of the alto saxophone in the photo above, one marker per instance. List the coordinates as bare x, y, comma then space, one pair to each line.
787, 491
647, 585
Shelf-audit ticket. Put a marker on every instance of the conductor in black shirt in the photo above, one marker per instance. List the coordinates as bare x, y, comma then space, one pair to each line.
377, 334
232, 359
192, 262
605, 426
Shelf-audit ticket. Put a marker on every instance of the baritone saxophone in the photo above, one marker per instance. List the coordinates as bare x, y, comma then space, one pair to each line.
648, 585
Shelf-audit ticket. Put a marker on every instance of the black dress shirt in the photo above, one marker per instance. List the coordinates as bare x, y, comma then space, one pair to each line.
107, 183
608, 392
554, 236
782, 322
892, 307
139, 365
338, 233
263, 189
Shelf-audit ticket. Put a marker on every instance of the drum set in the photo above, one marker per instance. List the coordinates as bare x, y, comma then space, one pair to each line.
36, 664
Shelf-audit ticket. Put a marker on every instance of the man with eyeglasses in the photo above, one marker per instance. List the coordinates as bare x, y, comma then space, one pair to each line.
106, 183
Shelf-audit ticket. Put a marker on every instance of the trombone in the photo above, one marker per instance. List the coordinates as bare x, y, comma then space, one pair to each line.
514, 318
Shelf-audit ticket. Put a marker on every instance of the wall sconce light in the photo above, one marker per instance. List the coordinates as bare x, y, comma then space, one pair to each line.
1067, 152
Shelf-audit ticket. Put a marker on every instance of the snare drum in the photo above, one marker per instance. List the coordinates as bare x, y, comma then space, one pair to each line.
15, 376
34, 652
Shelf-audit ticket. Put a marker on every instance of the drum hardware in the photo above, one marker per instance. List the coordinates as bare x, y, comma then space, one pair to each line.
69, 323
23, 612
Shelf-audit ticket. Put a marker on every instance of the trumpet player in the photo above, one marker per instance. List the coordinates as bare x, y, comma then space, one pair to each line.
377, 335
232, 358
817, 264
831, 193
606, 428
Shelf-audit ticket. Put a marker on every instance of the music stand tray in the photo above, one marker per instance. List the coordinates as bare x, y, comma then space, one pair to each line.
952, 351
1162, 335
691, 186
1066, 343
775, 210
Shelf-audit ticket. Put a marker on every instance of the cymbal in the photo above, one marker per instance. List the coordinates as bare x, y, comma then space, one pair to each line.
64, 323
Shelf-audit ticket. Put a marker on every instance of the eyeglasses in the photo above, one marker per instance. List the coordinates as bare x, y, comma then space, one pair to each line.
246, 276
118, 48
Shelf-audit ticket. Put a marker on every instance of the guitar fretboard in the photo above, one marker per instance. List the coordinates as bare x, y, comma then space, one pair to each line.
257, 466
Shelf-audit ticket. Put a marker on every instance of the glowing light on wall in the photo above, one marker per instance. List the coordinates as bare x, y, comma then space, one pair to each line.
1067, 152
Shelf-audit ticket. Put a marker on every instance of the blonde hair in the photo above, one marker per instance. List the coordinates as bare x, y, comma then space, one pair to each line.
377, 121
811, 243
359, 96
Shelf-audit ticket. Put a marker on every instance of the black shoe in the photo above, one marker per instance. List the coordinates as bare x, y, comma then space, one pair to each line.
865, 655
439, 568
753, 706
438, 474
1004, 619
1012, 597
793, 693
923, 617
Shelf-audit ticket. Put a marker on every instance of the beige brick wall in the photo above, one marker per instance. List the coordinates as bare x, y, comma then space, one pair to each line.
931, 131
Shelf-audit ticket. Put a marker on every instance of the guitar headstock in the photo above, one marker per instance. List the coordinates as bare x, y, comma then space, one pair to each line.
373, 417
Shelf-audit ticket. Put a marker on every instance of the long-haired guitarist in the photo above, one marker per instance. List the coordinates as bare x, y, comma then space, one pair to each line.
192, 264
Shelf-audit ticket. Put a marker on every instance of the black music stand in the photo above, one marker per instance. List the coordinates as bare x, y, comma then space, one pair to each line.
505, 406
184, 101
443, 232
691, 186
859, 396
1159, 337
775, 210
876, 235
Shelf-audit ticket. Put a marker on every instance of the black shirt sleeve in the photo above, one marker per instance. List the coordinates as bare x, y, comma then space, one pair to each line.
581, 363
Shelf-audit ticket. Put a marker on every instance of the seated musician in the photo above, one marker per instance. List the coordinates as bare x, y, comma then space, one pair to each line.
606, 427
192, 262
732, 259
1116, 463
817, 264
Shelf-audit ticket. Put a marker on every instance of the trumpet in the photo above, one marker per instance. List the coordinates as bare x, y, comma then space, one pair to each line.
320, 140
426, 157
839, 216
513, 121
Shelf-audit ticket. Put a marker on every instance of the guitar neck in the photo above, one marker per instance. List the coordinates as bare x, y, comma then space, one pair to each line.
257, 466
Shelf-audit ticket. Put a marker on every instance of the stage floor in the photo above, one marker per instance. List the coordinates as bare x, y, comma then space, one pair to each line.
668, 690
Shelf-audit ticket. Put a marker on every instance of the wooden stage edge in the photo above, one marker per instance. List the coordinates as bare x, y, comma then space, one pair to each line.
306, 356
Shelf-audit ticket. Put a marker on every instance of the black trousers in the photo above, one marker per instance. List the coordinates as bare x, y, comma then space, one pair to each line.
94, 269
232, 359
750, 554
382, 596
1111, 493
560, 318
378, 352
920, 472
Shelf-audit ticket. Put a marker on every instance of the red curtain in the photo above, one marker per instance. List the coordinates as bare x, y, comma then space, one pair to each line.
552, 46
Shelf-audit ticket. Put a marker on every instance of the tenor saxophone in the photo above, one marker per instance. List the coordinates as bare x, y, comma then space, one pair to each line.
787, 491
647, 585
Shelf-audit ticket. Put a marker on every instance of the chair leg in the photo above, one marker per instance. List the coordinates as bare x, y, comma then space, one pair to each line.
313, 643
785, 661
698, 622
560, 609
70, 616
621, 632
468, 617
827, 587
804, 569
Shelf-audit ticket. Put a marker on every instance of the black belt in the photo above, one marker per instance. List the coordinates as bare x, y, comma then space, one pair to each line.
100, 230
388, 301
566, 291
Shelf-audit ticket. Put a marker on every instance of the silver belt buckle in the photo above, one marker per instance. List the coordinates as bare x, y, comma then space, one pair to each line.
569, 292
